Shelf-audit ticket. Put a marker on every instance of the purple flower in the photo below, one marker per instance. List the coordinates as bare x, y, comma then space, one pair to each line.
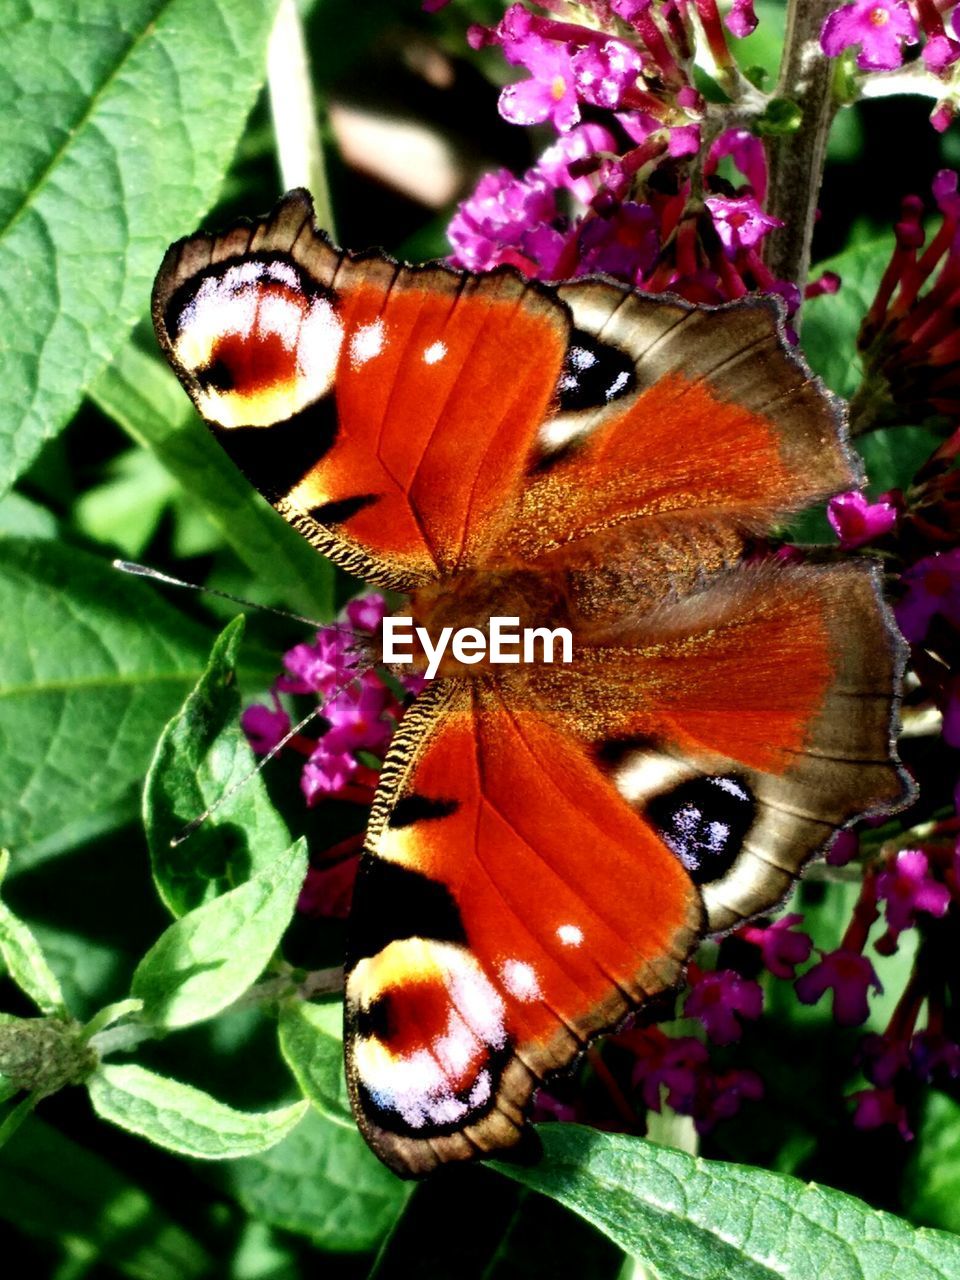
585, 140
357, 717
320, 667
845, 847
625, 245
265, 726
908, 887
876, 1107
676, 1064
605, 72
684, 140
933, 588
856, 521
849, 975
550, 93
548, 1107
326, 772
740, 222
939, 53
746, 151
722, 1095
932, 1054
879, 27
780, 948
367, 612
630, 9
719, 1000
741, 19
883, 1058
951, 712
497, 222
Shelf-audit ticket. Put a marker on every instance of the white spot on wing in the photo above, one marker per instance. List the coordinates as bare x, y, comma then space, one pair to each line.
434, 353
571, 935
520, 979
366, 343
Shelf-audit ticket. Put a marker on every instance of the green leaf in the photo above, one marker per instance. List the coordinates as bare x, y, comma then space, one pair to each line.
23, 959
212, 955
21, 518
141, 101
832, 321
201, 756
141, 394
931, 1190
52, 1188
311, 1041
181, 1118
92, 665
126, 508
693, 1219
322, 1182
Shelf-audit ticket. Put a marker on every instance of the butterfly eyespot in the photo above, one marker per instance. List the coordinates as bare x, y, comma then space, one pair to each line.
705, 821
594, 373
260, 341
430, 1036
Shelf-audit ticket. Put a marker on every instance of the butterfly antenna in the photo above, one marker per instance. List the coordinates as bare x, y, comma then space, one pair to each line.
264, 760
144, 571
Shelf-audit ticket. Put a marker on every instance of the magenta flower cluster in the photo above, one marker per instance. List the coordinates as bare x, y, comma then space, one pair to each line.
624, 189
880, 31
357, 710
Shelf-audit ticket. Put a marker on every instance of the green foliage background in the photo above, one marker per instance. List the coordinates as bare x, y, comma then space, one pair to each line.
127, 123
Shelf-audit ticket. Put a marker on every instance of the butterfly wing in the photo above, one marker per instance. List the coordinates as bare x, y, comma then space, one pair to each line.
417, 422
485, 946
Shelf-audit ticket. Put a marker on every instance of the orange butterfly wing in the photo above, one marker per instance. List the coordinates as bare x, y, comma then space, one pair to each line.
481, 955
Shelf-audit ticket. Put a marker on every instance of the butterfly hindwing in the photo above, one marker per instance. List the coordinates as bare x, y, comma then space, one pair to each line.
485, 946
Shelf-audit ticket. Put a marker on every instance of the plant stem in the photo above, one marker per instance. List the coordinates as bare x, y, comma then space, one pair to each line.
293, 107
797, 159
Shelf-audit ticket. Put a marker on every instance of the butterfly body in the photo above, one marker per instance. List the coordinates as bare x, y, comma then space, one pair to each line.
549, 839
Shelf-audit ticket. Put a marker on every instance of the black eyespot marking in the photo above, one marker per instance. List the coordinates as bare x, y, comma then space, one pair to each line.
416, 808
275, 459
340, 511
594, 373
705, 821
378, 1019
392, 902
217, 376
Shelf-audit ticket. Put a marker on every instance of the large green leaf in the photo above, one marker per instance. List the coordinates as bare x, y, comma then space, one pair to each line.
183, 1119
693, 1219
119, 119
932, 1182
832, 321
23, 958
200, 758
323, 1182
92, 664
211, 956
141, 394
53, 1188
311, 1040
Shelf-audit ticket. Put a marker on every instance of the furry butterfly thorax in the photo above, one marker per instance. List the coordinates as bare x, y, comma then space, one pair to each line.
549, 840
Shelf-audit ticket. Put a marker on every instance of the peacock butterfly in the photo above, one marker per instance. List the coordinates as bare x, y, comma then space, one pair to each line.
549, 841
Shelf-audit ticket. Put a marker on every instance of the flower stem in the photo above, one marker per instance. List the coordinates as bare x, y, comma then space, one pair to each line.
293, 107
797, 159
